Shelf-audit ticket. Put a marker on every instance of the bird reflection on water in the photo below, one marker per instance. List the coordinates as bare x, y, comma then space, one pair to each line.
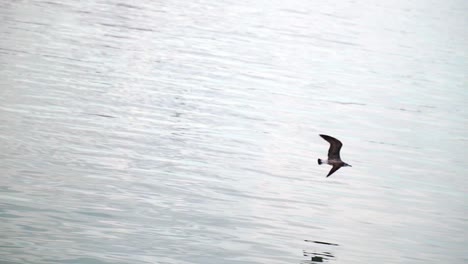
318, 256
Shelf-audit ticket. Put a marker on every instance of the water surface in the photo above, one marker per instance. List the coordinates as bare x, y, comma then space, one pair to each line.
187, 132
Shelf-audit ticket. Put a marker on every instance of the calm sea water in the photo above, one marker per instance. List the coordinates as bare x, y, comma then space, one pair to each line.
187, 131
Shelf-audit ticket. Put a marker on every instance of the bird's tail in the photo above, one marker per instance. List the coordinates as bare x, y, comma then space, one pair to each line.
319, 161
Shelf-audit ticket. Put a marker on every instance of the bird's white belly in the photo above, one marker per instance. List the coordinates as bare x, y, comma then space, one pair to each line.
332, 162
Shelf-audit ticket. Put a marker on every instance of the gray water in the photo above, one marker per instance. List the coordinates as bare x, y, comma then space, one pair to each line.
187, 131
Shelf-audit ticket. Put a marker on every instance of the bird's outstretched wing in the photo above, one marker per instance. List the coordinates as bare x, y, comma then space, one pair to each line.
335, 147
333, 169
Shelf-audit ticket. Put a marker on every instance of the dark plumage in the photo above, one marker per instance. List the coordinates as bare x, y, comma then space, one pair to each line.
333, 155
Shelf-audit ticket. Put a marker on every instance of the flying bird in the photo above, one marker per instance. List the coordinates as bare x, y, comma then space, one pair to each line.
333, 155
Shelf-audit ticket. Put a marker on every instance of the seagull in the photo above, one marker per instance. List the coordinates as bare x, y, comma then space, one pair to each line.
333, 155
